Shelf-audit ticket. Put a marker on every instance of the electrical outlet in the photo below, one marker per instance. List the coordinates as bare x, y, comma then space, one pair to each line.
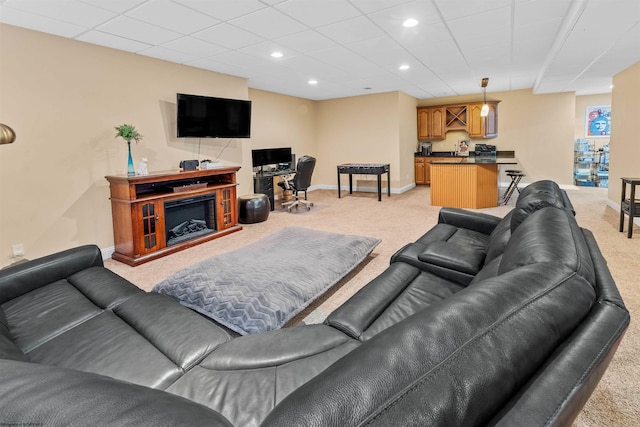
276, 197
17, 250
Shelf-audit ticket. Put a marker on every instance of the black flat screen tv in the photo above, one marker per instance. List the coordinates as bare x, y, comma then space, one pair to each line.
209, 117
270, 156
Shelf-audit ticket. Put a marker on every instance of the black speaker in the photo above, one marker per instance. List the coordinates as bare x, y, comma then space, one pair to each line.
292, 166
189, 165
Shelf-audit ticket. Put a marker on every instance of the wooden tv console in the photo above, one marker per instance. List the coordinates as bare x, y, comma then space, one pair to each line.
138, 209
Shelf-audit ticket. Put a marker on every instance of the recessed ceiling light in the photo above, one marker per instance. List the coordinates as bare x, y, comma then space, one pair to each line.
404, 67
410, 23
313, 82
277, 55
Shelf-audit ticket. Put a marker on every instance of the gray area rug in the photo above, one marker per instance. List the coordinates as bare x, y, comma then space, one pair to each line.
261, 286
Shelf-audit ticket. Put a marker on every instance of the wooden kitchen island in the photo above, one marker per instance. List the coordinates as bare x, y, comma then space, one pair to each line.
466, 182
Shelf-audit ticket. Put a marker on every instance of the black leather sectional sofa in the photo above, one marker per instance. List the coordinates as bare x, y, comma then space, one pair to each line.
482, 321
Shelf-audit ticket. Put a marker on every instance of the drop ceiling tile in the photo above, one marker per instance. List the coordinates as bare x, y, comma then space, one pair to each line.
306, 41
263, 50
268, 23
345, 60
220, 67
455, 9
70, 11
114, 42
39, 23
172, 16
312, 67
140, 31
369, 6
228, 36
316, 13
196, 47
168, 55
248, 62
382, 51
223, 10
118, 6
391, 19
352, 30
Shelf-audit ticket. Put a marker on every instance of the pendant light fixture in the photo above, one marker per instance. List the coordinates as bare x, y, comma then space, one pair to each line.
7, 135
484, 112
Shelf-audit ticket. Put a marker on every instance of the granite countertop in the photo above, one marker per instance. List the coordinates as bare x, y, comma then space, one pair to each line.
472, 160
499, 154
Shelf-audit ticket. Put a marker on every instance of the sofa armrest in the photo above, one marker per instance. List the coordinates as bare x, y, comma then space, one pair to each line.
476, 221
22, 278
453, 256
559, 390
33, 394
365, 306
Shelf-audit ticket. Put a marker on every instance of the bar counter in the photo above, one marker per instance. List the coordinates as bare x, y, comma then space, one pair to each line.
467, 182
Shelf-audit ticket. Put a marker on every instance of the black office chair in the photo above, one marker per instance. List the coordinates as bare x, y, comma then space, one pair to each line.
299, 181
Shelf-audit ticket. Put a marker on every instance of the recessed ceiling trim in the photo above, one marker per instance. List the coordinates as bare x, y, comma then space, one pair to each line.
571, 18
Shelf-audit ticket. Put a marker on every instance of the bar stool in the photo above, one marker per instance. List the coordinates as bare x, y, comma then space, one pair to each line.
516, 176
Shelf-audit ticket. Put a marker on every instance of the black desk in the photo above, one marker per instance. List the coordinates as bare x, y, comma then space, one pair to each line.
366, 169
263, 184
629, 206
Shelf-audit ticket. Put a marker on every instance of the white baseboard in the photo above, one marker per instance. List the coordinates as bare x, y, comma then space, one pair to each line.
363, 189
107, 252
616, 207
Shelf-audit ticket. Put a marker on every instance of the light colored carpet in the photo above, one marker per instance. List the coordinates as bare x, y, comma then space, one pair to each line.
405, 217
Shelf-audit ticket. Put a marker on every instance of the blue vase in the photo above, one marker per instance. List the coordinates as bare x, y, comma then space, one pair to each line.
131, 171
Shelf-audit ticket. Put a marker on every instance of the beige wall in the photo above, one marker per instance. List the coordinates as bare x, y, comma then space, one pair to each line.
63, 99
625, 148
539, 128
408, 139
283, 121
361, 129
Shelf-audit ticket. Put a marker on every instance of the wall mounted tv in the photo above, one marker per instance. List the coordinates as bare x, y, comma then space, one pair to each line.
208, 117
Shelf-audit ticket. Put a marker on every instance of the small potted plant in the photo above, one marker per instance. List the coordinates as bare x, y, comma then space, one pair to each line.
128, 133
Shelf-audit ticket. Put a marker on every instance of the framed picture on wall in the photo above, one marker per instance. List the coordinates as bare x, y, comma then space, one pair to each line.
598, 123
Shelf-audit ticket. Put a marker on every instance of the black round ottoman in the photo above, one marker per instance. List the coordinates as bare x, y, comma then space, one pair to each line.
253, 208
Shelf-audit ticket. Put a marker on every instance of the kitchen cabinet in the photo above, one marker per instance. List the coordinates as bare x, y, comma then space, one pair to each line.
422, 167
435, 121
430, 123
483, 127
419, 166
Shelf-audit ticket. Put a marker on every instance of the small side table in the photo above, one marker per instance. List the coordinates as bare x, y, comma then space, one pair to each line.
629, 206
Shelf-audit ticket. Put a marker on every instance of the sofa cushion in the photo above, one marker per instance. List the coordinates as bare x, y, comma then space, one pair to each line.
453, 234
454, 256
47, 312
397, 293
182, 335
498, 238
531, 203
107, 345
411, 253
246, 378
8, 349
549, 235
22, 278
33, 394
96, 321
